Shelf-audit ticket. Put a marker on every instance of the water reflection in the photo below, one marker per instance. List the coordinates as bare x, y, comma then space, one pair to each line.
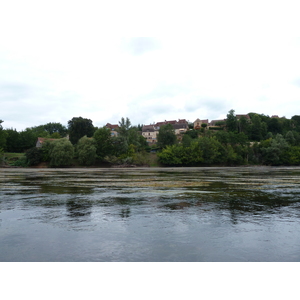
125, 213
196, 214
78, 209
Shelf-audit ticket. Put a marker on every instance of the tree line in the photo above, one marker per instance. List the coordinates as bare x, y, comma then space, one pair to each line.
81, 140
236, 141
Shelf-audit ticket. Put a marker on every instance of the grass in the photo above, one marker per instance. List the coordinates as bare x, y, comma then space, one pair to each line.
13, 155
12, 158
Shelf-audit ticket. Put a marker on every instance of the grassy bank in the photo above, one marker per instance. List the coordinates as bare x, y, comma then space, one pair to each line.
14, 159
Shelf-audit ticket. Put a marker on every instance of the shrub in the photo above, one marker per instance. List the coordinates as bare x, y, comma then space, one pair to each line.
21, 162
33, 156
61, 153
86, 151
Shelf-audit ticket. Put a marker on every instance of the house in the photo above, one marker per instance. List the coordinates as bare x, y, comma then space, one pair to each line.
240, 116
113, 129
150, 132
214, 122
41, 140
198, 123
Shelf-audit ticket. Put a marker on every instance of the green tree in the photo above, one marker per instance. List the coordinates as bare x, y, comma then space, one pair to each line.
12, 141
104, 142
55, 135
28, 139
86, 151
231, 121
61, 153
290, 138
166, 136
258, 128
3, 135
274, 126
124, 126
296, 122
244, 125
135, 138
33, 156
275, 151
1, 156
293, 156
211, 149
56, 128
186, 140
178, 154
192, 133
79, 127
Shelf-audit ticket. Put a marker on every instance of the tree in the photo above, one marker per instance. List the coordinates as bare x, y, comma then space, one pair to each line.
258, 129
211, 149
290, 138
296, 122
244, 125
33, 156
61, 153
1, 156
3, 136
79, 127
275, 151
274, 126
27, 139
231, 121
86, 150
129, 138
104, 142
166, 136
12, 140
178, 154
56, 128
124, 126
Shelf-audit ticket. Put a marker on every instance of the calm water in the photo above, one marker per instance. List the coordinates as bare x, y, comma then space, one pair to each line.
174, 214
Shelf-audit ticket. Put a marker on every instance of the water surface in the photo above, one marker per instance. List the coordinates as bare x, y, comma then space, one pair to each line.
152, 214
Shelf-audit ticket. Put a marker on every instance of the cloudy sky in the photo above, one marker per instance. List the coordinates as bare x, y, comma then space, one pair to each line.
65, 59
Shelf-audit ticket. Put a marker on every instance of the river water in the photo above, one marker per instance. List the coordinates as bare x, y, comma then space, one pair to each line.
151, 214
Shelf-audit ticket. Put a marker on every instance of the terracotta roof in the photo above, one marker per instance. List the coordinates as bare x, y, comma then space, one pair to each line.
42, 140
213, 122
148, 128
246, 116
112, 126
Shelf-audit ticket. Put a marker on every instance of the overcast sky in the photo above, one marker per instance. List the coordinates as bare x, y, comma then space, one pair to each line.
65, 59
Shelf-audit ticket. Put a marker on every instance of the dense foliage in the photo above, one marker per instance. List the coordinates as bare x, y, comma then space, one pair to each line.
79, 127
260, 140
61, 153
86, 151
257, 139
166, 136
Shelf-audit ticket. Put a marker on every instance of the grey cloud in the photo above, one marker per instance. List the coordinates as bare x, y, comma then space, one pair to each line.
141, 45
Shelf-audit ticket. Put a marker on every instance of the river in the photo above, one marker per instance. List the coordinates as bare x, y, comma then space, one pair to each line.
150, 214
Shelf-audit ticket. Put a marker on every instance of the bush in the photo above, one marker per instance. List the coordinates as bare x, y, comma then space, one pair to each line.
22, 162
86, 151
61, 153
33, 156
